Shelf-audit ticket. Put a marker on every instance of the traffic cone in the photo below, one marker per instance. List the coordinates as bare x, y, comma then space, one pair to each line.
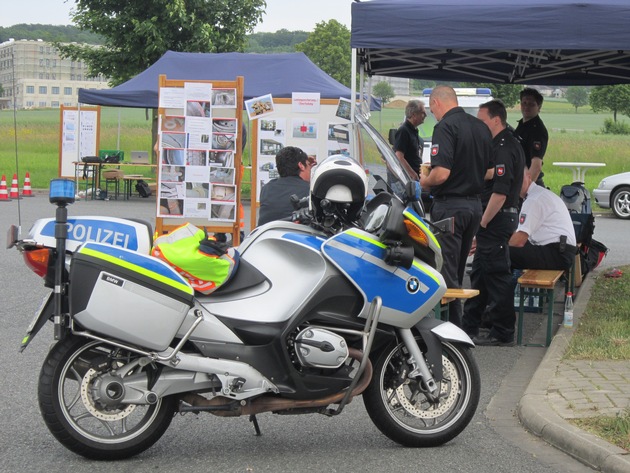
15, 192
26, 190
4, 195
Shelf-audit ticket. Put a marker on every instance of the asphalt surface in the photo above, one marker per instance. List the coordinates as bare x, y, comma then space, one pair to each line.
493, 442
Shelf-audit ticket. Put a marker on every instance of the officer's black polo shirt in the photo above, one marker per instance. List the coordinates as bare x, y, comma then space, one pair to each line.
509, 160
534, 138
463, 144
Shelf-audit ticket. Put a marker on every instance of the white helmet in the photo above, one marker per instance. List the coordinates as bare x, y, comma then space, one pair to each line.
340, 180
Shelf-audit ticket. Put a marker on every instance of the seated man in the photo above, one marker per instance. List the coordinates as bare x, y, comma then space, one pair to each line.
294, 167
545, 238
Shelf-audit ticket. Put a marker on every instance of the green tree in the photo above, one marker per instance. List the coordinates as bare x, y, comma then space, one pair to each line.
328, 46
577, 96
615, 98
282, 41
136, 34
384, 91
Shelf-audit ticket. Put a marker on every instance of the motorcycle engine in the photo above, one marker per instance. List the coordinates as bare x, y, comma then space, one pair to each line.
320, 348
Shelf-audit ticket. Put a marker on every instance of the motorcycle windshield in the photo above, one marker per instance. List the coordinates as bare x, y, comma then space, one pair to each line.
379, 160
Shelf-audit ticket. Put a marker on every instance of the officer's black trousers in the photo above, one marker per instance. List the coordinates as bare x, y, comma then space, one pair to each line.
455, 247
492, 276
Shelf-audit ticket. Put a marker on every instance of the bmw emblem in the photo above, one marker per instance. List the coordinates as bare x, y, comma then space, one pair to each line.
413, 285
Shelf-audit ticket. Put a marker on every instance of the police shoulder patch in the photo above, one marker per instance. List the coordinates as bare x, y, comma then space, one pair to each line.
500, 169
522, 218
435, 149
537, 145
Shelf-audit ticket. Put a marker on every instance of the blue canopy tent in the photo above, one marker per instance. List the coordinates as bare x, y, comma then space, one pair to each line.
275, 74
550, 42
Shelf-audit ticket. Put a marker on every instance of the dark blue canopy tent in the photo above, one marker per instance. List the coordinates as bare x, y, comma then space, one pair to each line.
275, 74
551, 42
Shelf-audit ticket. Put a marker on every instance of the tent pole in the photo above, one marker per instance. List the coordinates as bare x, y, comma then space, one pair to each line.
118, 137
353, 85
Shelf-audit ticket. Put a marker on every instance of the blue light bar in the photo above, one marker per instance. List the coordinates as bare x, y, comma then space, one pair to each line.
62, 191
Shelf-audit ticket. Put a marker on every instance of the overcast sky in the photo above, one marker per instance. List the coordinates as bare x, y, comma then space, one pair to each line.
290, 14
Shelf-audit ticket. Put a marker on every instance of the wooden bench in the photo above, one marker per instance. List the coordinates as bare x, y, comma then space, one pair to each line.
544, 280
450, 295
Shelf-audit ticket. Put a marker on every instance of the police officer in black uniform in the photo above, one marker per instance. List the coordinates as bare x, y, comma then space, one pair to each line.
532, 133
491, 273
460, 159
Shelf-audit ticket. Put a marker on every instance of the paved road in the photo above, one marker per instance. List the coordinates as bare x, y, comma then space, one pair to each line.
493, 442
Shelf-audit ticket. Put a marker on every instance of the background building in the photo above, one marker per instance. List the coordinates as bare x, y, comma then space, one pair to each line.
40, 77
400, 85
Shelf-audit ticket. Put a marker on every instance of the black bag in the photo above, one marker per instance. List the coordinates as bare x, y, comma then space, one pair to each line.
591, 255
91, 159
143, 188
112, 158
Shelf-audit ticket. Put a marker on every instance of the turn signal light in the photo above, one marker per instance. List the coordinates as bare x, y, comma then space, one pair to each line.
416, 233
37, 260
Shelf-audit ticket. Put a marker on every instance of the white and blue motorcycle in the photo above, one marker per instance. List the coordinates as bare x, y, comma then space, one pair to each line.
318, 312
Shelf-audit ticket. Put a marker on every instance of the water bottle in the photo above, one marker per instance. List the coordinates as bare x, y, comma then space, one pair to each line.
568, 311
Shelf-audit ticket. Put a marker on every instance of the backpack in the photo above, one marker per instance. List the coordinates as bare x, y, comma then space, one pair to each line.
577, 199
143, 188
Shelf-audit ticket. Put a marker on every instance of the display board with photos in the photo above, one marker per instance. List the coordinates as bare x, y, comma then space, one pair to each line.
199, 146
317, 126
79, 132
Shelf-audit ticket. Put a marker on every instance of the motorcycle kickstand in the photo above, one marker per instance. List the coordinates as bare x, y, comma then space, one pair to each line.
253, 420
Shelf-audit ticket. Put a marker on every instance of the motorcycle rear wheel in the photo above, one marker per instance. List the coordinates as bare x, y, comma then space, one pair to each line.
399, 408
84, 424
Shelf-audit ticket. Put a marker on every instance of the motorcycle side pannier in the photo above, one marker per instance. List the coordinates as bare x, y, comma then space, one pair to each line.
127, 295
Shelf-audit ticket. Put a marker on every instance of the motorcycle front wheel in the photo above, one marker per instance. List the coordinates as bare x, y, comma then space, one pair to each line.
83, 415
400, 409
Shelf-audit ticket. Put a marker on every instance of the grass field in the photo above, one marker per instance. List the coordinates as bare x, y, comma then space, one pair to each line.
573, 137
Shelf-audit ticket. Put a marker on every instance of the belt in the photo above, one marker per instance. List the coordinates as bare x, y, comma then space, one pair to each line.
455, 197
509, 210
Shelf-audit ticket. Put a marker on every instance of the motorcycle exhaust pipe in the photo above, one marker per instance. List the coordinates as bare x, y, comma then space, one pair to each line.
271, 404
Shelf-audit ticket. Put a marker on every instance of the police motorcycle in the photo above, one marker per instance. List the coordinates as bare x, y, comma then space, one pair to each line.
317, 312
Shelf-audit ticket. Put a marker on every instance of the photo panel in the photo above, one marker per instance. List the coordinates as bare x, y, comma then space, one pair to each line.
224, 98
197, 190
222, 193
197, 208
173, 140
196, 157
171, 208
222, 175
173, 124
172, 173
221, 158
223, 211
225, 142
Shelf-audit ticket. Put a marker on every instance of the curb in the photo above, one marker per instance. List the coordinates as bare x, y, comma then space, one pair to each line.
538, 416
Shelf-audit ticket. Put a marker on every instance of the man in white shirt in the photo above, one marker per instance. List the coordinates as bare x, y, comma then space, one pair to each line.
545, 238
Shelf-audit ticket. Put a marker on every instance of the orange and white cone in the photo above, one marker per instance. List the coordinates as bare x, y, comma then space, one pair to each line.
26, 190
4, 195
15, 192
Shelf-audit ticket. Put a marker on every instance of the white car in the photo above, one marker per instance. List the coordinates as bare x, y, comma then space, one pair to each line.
614, 192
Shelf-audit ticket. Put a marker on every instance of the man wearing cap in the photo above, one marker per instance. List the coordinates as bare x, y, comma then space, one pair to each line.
491, 273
